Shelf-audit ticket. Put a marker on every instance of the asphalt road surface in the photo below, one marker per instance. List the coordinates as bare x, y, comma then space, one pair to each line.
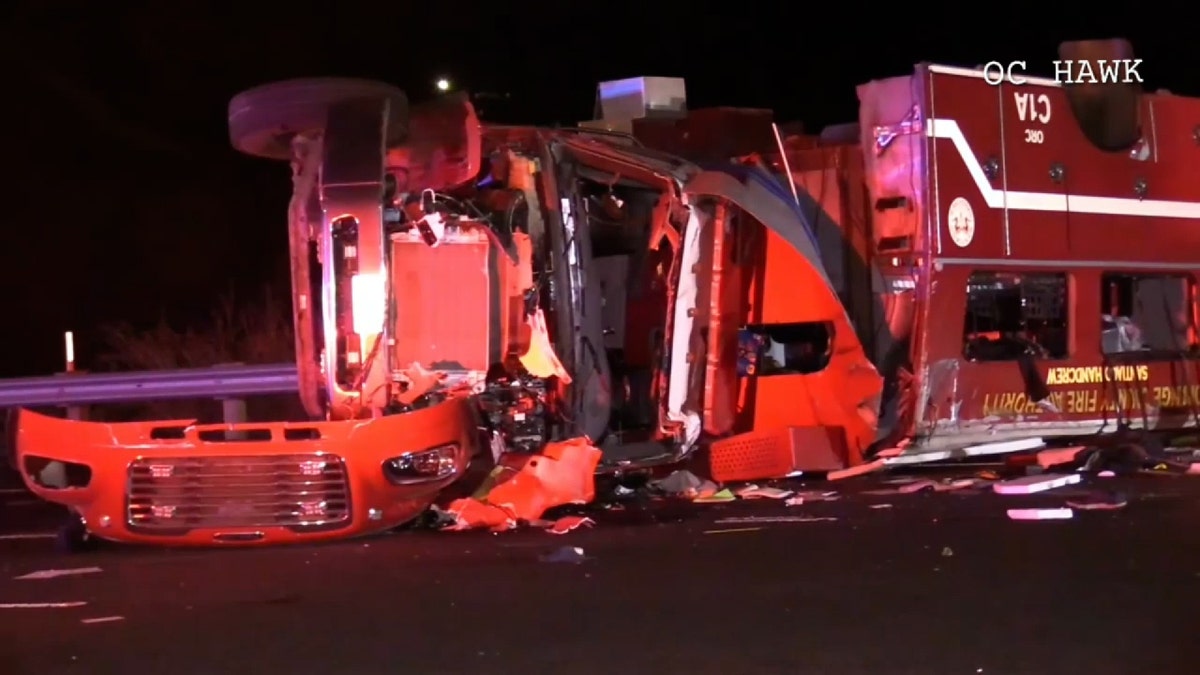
934, 583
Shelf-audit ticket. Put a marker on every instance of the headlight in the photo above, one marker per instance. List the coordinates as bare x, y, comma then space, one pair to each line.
422, 467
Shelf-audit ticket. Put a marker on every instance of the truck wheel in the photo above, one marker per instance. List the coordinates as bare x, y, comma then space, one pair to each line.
263, 120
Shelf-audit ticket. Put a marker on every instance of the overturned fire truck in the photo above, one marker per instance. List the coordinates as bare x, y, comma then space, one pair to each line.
970, 269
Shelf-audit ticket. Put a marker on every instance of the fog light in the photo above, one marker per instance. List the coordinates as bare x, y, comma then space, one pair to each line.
423, 466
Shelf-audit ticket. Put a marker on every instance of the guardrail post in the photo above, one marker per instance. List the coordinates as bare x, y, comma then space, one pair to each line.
75, 412
233, 411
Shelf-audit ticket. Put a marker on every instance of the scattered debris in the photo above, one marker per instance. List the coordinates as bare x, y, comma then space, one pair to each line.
764, 492
902, 480
1040, 514
1027, 485
623, 491
735, 529
927, 485
103, 619
880, 506
947, 552
860, 470
683, 483
717, 497
1051, 457
817, 496
1103, 501
774, 519
1106, 474
41, 605
51, 574
568, 523
566, 554
523, 487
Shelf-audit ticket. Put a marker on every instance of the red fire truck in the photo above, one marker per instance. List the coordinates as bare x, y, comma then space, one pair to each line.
971, 269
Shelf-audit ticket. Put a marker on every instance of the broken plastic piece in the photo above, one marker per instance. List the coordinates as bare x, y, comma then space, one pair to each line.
568, 523
1027, 485
420, 382
540, 360
1040, 514
524, 487
1058, 456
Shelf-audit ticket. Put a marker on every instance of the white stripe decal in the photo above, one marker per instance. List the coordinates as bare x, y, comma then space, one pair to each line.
1048, 201
977, 73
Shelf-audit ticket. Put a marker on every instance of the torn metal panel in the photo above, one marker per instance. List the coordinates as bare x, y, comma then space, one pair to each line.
849, 373
940, 400
921, 454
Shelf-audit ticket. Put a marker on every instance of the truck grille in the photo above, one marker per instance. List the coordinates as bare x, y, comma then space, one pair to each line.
177, 494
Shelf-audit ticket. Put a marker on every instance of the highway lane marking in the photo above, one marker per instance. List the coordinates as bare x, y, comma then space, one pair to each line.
28, 535
54, 574
775, 519
735, 529
102, 619
13, 491
41, 605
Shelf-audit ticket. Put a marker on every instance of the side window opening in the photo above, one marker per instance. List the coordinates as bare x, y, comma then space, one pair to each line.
1011, 315
785, 348
1147, 313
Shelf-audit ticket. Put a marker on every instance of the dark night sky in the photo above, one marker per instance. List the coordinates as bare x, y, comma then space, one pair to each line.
126, 202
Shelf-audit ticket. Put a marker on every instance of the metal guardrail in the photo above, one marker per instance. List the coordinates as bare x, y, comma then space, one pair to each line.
77, 389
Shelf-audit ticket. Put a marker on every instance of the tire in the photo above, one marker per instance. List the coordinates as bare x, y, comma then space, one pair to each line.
263, 120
